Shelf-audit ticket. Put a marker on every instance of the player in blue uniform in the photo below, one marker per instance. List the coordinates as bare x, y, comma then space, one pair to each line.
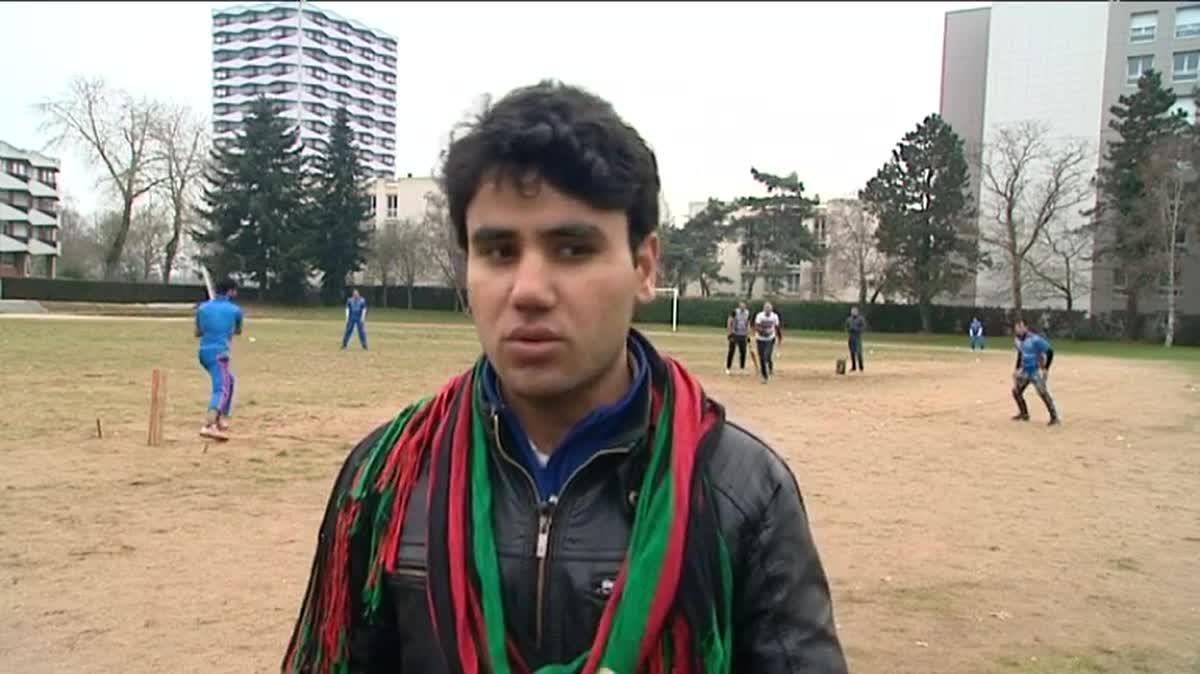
975, 332
356, 317
1034, 356
217, 321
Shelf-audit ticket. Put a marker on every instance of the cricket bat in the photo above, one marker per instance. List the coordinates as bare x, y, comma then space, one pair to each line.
208, 283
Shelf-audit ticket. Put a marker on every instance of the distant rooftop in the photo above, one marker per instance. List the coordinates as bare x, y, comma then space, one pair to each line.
328, 13
35, 158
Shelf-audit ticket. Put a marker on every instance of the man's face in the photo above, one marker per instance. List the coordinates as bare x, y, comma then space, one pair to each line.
1019, 329
232, 294
553, 286
742, 306
767, 308
854, 311
355, 294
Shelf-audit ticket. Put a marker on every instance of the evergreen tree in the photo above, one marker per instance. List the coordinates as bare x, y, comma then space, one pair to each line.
342, 211
690, 252
1142, 120
255, 207
920, 199
771, 229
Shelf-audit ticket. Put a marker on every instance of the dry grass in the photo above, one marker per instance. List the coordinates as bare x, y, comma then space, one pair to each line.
955, 541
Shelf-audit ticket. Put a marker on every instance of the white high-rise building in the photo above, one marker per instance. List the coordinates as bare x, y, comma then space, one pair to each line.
1064, 65
310, 61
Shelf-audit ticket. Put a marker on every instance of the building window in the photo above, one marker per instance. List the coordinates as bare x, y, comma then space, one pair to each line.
393, 205
374, 205
1187, 22
1187, 66
1119, 278
819, 229
1143, 27
1136, 66
792, 282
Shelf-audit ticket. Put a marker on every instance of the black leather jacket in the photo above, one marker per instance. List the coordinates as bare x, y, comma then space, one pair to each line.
783, 618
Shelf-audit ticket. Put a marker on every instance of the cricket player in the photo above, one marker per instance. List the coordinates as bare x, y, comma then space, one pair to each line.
737, 328
217, 321
356, 317
1034, 356
975, 333
855, 325
769, 332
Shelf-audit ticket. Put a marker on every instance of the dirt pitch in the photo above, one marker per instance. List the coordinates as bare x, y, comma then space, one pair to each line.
956, 540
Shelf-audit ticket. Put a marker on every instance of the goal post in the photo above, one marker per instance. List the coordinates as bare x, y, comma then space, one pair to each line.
673, 293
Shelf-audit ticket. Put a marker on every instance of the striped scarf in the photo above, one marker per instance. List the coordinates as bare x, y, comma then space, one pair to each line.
670, 609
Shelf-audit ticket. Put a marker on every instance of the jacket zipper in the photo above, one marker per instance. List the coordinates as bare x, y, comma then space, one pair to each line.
545, 519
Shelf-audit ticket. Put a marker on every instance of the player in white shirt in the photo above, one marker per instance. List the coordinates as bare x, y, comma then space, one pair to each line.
768, 330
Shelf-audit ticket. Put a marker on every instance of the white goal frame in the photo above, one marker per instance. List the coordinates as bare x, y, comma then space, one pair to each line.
674, 293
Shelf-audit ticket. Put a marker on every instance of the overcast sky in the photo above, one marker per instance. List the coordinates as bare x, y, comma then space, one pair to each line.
822, 89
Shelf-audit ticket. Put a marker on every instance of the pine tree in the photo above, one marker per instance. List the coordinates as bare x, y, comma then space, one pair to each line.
771, 229
920, 198
256, 213
1142, 120
342, 211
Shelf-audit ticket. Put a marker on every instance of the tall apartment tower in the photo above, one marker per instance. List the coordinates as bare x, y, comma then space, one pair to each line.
310, 61
1065, 64
28, 213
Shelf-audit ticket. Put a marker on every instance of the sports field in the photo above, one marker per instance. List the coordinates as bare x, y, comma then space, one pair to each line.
957, 541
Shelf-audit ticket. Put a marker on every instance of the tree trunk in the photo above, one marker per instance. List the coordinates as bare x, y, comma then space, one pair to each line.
1170, 338
926, 317
409, 289
1016, 289
1131, 313
172, 246
112, 260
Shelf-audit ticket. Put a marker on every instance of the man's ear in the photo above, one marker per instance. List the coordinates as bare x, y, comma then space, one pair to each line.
645, 263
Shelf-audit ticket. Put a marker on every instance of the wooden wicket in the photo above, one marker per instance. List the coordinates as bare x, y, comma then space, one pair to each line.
158, 398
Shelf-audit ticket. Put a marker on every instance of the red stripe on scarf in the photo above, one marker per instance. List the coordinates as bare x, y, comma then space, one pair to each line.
456, 535
680, 638
606, 619
689, 425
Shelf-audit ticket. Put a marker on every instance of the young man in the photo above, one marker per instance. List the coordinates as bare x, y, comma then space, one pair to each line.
975, 333
217, 321
356, 317
737, 329
1034, 356
855, 325
573, 501
768, 333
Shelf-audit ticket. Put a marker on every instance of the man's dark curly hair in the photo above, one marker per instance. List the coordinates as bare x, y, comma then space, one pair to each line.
564, 135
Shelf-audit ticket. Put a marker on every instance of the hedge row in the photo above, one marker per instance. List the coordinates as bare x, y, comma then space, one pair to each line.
692, 310
905, 318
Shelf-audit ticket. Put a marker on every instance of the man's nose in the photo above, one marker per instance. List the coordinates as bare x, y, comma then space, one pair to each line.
533, 283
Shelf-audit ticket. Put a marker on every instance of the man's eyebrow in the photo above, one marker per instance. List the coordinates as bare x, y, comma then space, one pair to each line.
573, 229
492, 234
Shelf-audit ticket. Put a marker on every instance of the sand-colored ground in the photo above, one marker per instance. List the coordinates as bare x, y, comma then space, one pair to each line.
956, 540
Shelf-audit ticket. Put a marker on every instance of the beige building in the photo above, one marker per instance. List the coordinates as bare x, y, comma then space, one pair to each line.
28, 213
1065, 64
394, 200
805, 281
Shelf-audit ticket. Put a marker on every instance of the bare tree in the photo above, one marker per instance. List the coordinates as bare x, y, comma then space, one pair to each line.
445, 253
1062, 265
181, 151
852, 252
400, 251
112, 129
1029, 180
1173, 207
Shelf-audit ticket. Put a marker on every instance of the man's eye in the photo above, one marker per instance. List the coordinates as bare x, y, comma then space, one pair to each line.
499, 253
572, 250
